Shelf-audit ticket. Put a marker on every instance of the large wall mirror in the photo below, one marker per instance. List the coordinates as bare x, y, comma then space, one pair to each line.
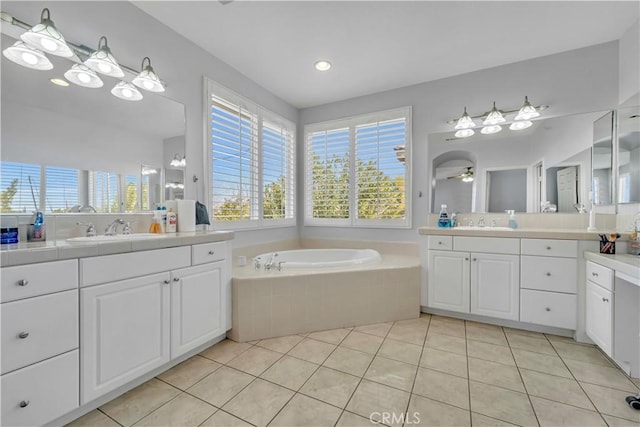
70, 149
629, 155
546, 167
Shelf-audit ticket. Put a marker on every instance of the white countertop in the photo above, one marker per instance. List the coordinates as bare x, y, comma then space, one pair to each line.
625, 264
53, 250
533, 233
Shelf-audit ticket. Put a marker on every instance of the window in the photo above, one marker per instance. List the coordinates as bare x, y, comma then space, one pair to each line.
358, 171
103, 192
20, 187
252, 163
61, 188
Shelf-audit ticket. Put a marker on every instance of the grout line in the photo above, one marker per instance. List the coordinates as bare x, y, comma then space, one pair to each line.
108, 416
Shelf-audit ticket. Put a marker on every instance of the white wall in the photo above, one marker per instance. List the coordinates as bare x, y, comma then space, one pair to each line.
629, 64
582, 80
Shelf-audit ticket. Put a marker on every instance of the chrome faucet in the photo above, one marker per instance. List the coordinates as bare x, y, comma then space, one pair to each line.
127, 228
112, 229
481, 222
493, 223
470, 223
271, 263
91, 230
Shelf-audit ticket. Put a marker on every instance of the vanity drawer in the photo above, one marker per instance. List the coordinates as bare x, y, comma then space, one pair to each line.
48, 326
549, 274
548, 308
40, 393
492, 245
24, 281
444, 243
208, 252
600, 275
549, 247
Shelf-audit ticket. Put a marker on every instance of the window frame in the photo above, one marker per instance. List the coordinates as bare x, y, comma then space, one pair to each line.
211, 87
351, 123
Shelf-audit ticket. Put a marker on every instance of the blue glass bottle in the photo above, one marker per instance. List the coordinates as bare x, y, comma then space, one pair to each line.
443, 219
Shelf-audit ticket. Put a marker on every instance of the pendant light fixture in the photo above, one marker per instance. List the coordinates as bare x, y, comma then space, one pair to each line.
465, 122
103, 61
494, 117
521, 125
527, 111
127, 91
464, 133
148, 79
27, 56
178, 161
84, 76
488, 130
46, 37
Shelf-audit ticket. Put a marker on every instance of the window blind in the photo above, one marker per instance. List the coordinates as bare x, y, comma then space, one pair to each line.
278, 171
15, 190
61, 188
103, 191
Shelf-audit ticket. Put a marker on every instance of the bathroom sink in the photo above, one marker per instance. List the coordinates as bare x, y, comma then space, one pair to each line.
116, 238
466, 227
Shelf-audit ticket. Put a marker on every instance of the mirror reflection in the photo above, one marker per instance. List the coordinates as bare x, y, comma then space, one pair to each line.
602, 178
546, 167
75, 149
629, 155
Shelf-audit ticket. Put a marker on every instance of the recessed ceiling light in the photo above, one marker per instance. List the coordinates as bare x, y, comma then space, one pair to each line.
322, 65
60, 82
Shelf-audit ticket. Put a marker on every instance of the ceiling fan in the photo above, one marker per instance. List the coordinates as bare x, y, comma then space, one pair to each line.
466, 176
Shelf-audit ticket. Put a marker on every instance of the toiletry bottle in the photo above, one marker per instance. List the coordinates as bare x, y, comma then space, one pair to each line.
164, 218
172, 221
443, 220
454, 220
513, 224
156, 222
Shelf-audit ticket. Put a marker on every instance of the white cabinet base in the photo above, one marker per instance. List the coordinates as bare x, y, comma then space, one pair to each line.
599, 322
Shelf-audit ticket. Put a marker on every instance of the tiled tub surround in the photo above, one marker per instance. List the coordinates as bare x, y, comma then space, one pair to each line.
453, 372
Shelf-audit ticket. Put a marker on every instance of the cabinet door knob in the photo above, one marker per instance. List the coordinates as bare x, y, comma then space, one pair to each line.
166, 282
605, 299
23, 335
211, 252
176, 279
548, 309
23, 282
466, 259
24, 403
549, 274
439, 242
594, 274
475, 259
548, 248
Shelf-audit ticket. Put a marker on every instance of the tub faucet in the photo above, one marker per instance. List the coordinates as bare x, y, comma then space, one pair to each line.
112, 229
271, 263
481, 222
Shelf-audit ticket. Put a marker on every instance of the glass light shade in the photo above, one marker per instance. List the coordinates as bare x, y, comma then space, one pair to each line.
148, 170
178, 161
464, 133
84, 76
467, 179
494, 117
46, 37
465, 122
103, 62
23, 54
126, 91
527, 111
488, 130
148, 79
520, 125
322, 65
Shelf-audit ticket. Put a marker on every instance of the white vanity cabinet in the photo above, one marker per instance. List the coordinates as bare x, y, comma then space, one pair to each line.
466, 280
599, 319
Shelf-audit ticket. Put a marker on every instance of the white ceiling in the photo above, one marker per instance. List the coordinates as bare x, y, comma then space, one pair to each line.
376, 46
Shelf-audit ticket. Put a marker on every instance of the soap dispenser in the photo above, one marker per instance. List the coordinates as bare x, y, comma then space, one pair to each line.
443, 219
513, 224
156, 222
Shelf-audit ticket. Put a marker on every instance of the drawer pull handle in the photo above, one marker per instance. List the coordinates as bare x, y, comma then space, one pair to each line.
211, 252
24, 403
548, 309
548, 274
23, 282
594, 274
548, 248
605, 299
166, 282
23, 335
176, 279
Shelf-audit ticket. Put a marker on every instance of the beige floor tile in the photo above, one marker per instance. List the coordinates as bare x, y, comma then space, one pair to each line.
502, 404
490, 352
183, 411
600, 375
255, 361
410, 333
443, 361
636, 381
350, 361
446, 320
523, 332
446, 343
303, 411
492, 336
225, 350
312, 351
253, 342
94, 418
496, 374
189, 372
440, 326
221, 386
290, 372
479, 420
442, 387
372, 399
558, 338
224, 419
470, 324
331, 386
417, 323
333, 336
259, 402
139, 402
582, 353
428, 412
541, 362
377, 329
392, 373
362, 342
280, 344
537, 345
348, 419
611, 402
402, 351
552, 414
618, 422
558, 389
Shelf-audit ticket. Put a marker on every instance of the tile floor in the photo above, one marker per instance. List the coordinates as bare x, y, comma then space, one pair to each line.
444, 371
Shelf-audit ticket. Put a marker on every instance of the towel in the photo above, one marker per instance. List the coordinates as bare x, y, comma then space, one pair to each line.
202, 216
